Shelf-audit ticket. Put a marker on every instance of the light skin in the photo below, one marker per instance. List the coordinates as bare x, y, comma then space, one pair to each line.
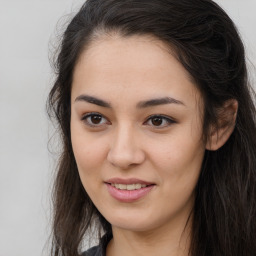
136, 113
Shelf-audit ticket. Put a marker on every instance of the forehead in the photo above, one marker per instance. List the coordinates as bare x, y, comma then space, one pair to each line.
137, 65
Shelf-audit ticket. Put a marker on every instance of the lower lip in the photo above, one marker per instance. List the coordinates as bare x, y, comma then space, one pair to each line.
128, 196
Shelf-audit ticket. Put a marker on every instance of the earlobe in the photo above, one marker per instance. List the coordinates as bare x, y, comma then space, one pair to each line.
221, 131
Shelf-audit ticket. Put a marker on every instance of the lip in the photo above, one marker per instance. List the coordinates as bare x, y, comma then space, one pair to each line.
128, 196
128, 181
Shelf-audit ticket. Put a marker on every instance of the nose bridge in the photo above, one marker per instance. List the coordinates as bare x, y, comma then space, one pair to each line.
125, 149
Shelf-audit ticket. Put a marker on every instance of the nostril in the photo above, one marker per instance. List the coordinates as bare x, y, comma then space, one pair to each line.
125, 157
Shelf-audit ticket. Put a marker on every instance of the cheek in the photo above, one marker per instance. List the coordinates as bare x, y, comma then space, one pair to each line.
88, 157
178, 164
178, 151
179, 158
89, 153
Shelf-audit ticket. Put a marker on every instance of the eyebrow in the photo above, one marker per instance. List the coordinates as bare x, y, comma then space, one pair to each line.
93, 100
142, 104
159, 101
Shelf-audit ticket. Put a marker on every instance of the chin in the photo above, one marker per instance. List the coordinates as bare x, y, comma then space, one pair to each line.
133, 227
135, 222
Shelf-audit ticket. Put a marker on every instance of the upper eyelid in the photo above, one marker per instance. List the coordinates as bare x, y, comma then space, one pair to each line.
162, 116
86, 115
168, 118
91, 114
169, 122
154, 115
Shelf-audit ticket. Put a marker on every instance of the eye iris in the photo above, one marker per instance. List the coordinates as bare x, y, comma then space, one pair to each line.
157, 121
96, 119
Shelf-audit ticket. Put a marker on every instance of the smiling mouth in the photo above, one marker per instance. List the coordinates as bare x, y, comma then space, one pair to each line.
128, 190
128, 186
128, 193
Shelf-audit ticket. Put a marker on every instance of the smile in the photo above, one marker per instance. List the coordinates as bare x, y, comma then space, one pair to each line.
128, 186
128, 193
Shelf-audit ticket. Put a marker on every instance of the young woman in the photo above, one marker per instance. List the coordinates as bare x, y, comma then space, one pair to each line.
158, 129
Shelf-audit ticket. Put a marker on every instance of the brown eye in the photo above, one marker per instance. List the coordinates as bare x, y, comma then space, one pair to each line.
159, 121
96, 119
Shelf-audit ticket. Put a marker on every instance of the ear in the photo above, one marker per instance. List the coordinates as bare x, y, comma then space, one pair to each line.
226, 120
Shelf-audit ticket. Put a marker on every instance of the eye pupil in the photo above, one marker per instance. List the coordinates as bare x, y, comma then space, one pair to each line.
157, 121
96, 119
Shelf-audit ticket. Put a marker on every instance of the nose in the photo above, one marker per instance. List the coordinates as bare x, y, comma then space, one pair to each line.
125, 151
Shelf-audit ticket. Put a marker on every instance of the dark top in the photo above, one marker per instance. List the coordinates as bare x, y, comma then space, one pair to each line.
99, 250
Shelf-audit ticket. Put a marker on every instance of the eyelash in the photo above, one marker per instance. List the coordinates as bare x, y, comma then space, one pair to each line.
90, 115
168, 121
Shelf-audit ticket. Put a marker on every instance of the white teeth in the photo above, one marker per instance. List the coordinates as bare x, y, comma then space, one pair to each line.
128, 186
137, 186
131, 187
121, 186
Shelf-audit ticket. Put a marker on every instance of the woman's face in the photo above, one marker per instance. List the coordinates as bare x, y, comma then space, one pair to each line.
136, 130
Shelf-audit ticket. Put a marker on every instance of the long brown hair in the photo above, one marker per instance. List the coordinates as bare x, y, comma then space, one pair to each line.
207, 44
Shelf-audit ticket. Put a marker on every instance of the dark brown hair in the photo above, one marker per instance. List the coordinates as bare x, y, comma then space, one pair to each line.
207, 44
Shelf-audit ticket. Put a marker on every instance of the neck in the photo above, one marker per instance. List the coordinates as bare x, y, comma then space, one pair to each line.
165, 240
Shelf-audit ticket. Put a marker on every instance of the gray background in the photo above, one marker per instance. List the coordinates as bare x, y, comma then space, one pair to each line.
26, 27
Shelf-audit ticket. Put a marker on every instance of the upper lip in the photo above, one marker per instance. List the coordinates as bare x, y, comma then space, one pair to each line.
128, 181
